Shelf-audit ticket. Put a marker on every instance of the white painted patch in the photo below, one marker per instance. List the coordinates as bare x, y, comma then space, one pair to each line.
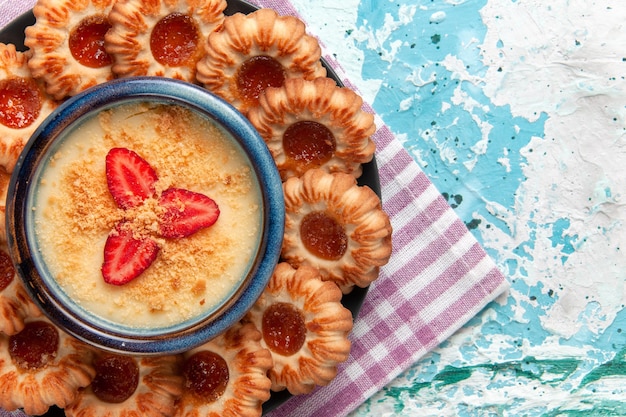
438, 17
565, 58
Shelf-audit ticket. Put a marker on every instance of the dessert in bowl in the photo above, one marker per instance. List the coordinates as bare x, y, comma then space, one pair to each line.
145, 215
121, 195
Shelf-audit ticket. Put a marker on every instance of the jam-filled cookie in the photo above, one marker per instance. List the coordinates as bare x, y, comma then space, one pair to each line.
337, 226
304, 325
227, 376
41, 366
161, 37
5, 178
252, 52
67, 41
126, 385
15, 303
23, 104
314, 124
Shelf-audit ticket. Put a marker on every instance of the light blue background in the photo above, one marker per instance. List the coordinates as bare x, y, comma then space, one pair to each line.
505, 361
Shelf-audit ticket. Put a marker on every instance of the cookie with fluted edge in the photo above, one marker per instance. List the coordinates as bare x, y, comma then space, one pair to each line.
16, 306
42, 366
24, 104
335, 225
67, 44
314, 124
227, 376
252, 52
126, 385
5, 179
161, 37
304, 325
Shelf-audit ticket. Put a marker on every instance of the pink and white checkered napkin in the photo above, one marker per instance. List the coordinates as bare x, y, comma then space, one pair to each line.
437, 279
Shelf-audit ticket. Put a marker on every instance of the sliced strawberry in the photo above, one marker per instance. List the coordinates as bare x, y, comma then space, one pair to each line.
186, 212
130, 178
126, 257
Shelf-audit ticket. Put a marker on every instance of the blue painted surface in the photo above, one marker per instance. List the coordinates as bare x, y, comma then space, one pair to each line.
515, 358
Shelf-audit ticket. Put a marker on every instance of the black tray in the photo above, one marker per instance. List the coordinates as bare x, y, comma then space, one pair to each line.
14, 33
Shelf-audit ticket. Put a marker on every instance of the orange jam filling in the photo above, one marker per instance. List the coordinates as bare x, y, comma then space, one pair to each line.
206, 375
7, 272
20, 102
309, 143
35, 346
174, 40
86, 42
284, 330
117, 378
323, 236
257, 74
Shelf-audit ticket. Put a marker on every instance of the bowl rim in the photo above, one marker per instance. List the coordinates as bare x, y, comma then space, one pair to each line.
70, 113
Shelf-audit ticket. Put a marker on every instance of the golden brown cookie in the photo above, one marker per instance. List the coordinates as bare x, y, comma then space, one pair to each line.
314, 124
304, 325
337, 226
67, 42
41, 366
5, 178
161, 37
16, 305
126, 385
226, 377
23, 104
252, 52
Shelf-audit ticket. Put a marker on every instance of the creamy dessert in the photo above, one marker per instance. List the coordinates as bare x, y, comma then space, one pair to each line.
116, 207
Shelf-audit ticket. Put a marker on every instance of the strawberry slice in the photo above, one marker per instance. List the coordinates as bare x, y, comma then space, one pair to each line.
186, 212
130, 178
126, 257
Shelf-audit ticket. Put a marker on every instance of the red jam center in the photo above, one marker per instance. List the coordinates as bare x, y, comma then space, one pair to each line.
284, 330
257, 74
323, 236
86, 42
7, 272
116, 378
35, 346
20, 102
206, 375
309, 143
174, 40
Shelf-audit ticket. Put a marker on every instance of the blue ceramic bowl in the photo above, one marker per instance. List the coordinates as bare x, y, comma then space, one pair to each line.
69, 314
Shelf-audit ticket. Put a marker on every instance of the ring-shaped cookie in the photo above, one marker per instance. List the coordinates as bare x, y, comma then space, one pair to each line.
154, 384
15, 303
337, 226
23, 104
52, 375
304, 325
161, 37
67, 41
314, 124
252, 52
227, 376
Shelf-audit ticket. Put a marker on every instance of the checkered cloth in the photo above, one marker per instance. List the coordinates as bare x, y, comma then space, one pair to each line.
437, 279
